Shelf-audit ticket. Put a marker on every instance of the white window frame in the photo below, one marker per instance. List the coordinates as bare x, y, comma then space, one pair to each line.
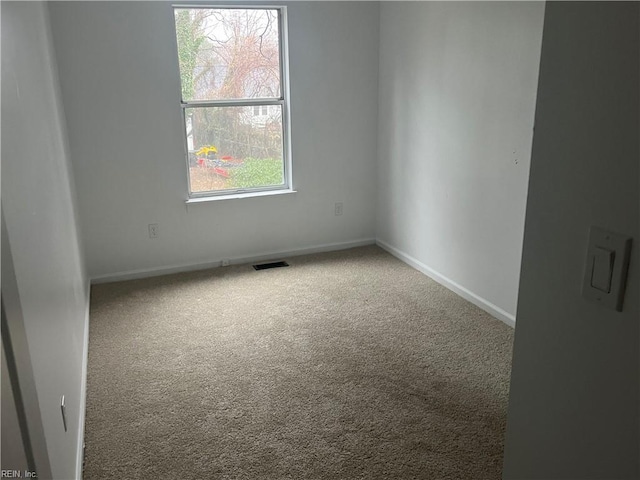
282, 100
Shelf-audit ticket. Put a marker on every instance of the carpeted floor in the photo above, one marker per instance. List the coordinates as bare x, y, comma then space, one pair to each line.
345, 365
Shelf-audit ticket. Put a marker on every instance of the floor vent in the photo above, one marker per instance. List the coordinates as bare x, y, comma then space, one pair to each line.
264, 266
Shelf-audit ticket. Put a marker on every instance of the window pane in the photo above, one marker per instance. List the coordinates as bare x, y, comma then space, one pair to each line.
228, 53
230, 148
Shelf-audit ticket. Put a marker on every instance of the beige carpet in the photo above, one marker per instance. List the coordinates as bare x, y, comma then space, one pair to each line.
346, 365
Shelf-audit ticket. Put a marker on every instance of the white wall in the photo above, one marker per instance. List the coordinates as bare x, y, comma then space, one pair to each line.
456, 107
121, 91
38, 207
573, 410
13, 455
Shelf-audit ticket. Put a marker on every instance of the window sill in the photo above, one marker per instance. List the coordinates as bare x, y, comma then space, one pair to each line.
234, 196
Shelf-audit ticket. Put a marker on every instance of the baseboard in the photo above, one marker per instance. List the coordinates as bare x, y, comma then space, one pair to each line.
258, 257
468, 295
83, 391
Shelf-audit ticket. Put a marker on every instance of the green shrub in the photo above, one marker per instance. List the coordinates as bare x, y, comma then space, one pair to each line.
257, 172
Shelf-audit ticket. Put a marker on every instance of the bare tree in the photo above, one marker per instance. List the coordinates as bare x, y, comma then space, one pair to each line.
231, 54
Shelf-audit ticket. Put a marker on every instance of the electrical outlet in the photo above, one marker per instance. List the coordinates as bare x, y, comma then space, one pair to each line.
154, 231
225, 262
338, 208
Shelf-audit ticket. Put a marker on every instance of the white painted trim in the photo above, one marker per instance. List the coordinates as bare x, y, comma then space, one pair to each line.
83, 389
236, 194
468, 295
168, 269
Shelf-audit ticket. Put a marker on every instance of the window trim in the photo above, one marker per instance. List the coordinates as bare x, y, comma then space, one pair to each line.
283, 100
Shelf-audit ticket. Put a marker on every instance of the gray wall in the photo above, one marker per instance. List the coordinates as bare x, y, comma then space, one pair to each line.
456, 106
574, 390
121, 91
38, 207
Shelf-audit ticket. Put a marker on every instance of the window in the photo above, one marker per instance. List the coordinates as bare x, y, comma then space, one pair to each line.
234, 98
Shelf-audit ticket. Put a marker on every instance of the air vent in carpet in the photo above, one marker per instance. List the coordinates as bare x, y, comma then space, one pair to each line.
264, 266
